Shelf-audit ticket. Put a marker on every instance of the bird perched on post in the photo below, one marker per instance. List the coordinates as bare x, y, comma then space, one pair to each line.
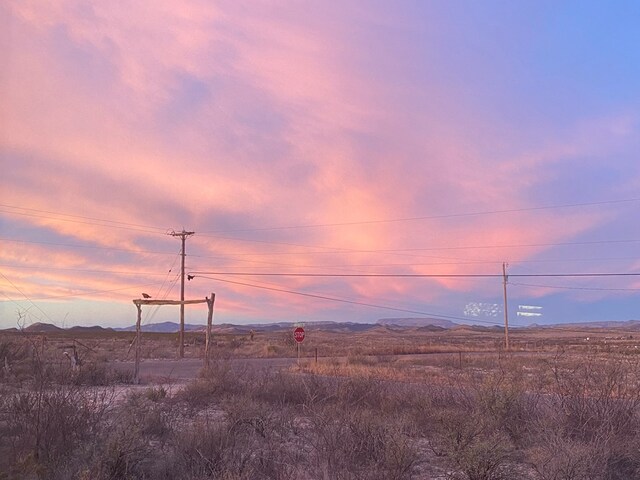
146, 295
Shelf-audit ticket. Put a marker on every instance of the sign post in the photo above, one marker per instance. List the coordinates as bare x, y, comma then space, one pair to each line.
298, 336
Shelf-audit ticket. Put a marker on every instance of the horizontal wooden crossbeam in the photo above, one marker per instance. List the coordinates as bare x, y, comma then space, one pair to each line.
150, 301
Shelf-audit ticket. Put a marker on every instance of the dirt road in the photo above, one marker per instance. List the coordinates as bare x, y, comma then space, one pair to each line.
180, 371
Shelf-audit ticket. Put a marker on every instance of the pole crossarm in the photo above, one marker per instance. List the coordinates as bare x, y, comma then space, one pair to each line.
146, 301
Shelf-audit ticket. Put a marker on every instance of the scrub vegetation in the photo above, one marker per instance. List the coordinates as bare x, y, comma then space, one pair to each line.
560, 415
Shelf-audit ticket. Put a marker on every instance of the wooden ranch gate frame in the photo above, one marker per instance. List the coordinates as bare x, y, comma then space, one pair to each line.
147, 301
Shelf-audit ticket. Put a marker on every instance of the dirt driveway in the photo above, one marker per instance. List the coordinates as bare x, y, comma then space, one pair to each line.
181, 371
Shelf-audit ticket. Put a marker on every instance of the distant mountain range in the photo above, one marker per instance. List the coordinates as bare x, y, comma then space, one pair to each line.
419, 323
48, 328
163, 327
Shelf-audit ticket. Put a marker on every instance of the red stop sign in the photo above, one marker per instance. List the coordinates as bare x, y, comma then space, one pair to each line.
298, 334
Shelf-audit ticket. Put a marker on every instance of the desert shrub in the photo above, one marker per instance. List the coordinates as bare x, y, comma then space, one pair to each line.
150, 412
98, 374
156, 394
357, 444
12, 356
214, 450
501, 397
473, 444
273, 350
268, 429
368, 360
486, 457
124, 453
359, 391
591, 422
287, 341
477, 423
244, 413
561, 458
47, 427
212, 384
296, 390
598, 397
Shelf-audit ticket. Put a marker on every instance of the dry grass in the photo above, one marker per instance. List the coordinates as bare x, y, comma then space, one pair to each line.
458, 415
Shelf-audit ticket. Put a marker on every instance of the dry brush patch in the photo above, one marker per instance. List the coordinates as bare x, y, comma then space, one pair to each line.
485, 418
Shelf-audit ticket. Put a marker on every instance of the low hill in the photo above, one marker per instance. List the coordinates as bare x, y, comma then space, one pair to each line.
478, 328
431, 328
40, 327
94, 329
417, 322
629, 324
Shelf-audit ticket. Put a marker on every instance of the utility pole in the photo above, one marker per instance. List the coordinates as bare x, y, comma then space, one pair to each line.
183, 235
505, 278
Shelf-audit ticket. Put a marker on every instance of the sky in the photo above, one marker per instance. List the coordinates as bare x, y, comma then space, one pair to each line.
356, 141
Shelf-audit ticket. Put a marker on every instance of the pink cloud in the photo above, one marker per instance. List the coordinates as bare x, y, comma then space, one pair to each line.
176, 115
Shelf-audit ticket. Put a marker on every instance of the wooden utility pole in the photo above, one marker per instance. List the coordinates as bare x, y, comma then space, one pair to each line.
183, 235
136, 367
505, 278
207, 341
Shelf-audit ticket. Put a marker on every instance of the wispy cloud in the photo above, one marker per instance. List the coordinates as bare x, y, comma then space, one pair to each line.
236, 117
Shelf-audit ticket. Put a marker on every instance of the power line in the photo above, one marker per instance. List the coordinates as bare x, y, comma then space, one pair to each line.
339, 250
434, 217
48, 212
72, 218
25, 296
72, 245
99, 222
152, 313
86, 270
422, 264
352, 302
22, 309
413, 275
92, 292
595, 289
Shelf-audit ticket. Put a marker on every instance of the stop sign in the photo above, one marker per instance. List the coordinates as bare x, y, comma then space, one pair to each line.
298, 334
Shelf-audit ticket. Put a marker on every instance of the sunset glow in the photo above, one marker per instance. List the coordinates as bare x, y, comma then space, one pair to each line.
440, 139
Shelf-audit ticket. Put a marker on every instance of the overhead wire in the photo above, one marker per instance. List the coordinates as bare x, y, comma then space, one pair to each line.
20, 210
93, 292
49, 212
97, 247
21, 308
159, 294
80, 222
417, 275
561, 287
432, 217
328, 249
342, 300
26, 297
85, 270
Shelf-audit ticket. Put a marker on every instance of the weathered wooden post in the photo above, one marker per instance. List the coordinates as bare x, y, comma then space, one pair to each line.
136, 368
207, 343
